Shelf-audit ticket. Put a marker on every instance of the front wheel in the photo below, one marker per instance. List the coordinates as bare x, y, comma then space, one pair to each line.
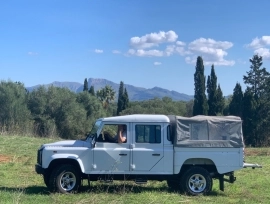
196, 181
65, 179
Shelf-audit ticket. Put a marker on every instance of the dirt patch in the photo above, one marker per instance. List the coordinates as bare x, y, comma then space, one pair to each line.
4, 158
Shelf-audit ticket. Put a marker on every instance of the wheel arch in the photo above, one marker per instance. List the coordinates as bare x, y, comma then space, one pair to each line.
205, 163
77, 163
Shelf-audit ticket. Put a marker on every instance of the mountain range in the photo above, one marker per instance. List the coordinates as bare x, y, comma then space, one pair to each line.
134, 93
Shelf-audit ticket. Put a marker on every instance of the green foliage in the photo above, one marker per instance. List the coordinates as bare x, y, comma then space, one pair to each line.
256, 77
235, 107
156, 106
85, 85
92, 91
220, 101
123, 100
55, 111
120, 102
256, 110
249, 111
106, 95
14, 115
200, 106
92, 107
212, 92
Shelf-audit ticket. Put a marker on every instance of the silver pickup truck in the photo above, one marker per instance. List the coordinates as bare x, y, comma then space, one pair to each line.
186, 152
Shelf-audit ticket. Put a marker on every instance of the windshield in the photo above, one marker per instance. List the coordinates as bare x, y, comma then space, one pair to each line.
94, 128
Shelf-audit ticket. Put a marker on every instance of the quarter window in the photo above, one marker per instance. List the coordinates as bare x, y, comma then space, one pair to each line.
148, 133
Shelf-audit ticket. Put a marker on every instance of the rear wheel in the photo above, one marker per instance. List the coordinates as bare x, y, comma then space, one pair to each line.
196, 181
65, 179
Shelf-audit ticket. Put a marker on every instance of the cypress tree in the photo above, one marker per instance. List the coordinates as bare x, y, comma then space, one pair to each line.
125, 100
85, 85
200, 106
235, 107
220, 101
212, 92
120, 102
92, 91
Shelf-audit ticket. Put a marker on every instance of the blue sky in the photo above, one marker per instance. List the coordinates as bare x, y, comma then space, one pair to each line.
144, 43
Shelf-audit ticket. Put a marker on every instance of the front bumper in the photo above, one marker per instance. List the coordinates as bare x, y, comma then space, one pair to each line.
39, 169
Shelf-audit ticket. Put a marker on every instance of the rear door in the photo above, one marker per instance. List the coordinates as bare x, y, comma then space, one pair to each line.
147, 148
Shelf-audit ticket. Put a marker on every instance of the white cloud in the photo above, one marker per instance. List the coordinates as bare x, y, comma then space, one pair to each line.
157, 63
180, 43
116, 52
170, 49
32, 53
259, 42
264, 52
261, 46
98, 51
153, 39
146, 53
212, 52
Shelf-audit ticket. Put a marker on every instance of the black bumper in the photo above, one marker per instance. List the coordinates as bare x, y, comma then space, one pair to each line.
39, 169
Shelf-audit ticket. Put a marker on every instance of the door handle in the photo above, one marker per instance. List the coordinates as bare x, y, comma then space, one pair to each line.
155, 154
123, 154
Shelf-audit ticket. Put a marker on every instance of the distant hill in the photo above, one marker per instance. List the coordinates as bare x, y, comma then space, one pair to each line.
134, 93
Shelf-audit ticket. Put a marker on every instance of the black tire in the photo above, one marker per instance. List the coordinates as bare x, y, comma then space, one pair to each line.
65, 179
46, 179
173, 185
196, 181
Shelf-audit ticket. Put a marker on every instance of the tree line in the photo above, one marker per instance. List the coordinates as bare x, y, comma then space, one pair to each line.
55, 111
252, 105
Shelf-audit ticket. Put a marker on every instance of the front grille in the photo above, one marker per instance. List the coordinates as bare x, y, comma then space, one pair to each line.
39, 156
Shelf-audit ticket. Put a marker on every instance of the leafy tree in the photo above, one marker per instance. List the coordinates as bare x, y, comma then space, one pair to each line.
92, 91
235, 107
55, 111
200, 106
226, 110
249, 124
85, 85
212, 92
91, 105
255, 112
14, 114
256, 77
125, 99
189, 108
156, 106
220, 102
106, 95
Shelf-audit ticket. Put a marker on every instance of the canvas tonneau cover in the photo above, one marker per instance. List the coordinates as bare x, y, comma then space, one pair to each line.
209, 131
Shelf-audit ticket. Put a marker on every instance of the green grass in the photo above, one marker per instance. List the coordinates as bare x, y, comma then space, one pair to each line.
20, 184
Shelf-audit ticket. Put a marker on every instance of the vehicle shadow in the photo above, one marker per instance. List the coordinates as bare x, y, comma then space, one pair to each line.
102, 188
30, 190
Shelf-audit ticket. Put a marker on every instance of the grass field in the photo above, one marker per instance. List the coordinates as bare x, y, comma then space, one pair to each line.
20, 184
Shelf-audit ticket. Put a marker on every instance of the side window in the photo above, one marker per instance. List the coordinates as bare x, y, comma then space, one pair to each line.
148, 133
109, 133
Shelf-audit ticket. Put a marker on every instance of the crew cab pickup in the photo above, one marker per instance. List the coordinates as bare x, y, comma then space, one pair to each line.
188, 153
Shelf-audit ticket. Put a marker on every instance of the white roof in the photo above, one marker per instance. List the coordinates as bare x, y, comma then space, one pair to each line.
138, 118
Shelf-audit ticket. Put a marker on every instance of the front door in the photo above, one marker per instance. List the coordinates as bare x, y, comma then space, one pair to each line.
147, 152
109, 155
